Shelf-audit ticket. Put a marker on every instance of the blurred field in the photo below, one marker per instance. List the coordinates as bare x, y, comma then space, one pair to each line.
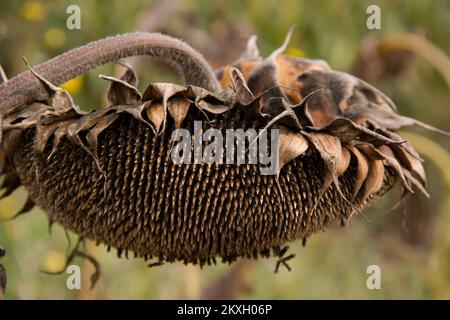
411, 244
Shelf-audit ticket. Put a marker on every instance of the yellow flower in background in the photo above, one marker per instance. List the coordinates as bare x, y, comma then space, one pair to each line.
54, 261
295, 52
33, 11
54, 38
74, 85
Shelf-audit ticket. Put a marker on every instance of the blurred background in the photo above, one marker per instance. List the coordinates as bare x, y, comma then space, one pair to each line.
407, 59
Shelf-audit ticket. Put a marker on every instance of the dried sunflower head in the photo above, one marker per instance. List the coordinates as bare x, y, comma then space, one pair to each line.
108, 175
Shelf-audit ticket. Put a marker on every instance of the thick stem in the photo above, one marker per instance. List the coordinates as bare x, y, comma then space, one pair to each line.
25, 88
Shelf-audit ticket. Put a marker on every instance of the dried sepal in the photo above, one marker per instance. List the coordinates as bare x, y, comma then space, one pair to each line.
178, 109
243, 94
347, 131
276, 106
251, 51
155, 112
343, 165
392, 161
58, 98
129, 76
362, 169
370, 151
416, 183
375, 178
121, 92
291, 146
94, 133
330, 150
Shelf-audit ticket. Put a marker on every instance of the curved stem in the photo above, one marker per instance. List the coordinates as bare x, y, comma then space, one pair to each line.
25, 88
